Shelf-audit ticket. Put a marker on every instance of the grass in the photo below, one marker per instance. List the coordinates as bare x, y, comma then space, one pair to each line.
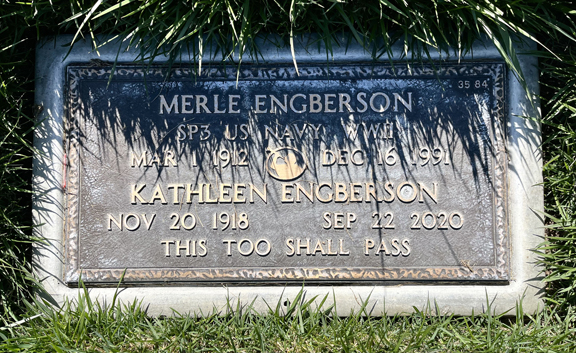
88, 326
558, 252
167, 27
16, 125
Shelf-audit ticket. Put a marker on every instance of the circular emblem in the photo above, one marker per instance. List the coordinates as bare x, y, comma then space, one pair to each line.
285, 163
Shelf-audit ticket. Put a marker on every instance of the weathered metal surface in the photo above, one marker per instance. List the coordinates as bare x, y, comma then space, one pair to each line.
331, 174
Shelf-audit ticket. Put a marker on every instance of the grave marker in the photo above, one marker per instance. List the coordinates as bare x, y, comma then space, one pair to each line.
409, 182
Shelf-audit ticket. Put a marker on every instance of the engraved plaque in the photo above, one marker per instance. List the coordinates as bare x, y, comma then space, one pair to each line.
364, 173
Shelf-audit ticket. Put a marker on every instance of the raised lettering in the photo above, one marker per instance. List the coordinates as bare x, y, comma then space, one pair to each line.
168, 108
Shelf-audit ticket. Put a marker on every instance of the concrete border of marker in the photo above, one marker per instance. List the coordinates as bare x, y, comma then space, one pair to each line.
524, 198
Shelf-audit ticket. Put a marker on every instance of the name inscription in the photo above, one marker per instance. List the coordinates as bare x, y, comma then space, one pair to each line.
340, 174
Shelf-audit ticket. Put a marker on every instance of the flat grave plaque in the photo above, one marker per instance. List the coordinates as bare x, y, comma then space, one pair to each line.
345, 173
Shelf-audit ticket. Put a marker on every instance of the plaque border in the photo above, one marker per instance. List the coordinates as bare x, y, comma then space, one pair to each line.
499, 273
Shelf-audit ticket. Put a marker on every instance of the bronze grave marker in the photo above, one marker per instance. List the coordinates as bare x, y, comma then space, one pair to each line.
361, 173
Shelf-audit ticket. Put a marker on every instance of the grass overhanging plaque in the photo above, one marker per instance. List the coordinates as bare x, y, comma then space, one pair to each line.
341, 173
